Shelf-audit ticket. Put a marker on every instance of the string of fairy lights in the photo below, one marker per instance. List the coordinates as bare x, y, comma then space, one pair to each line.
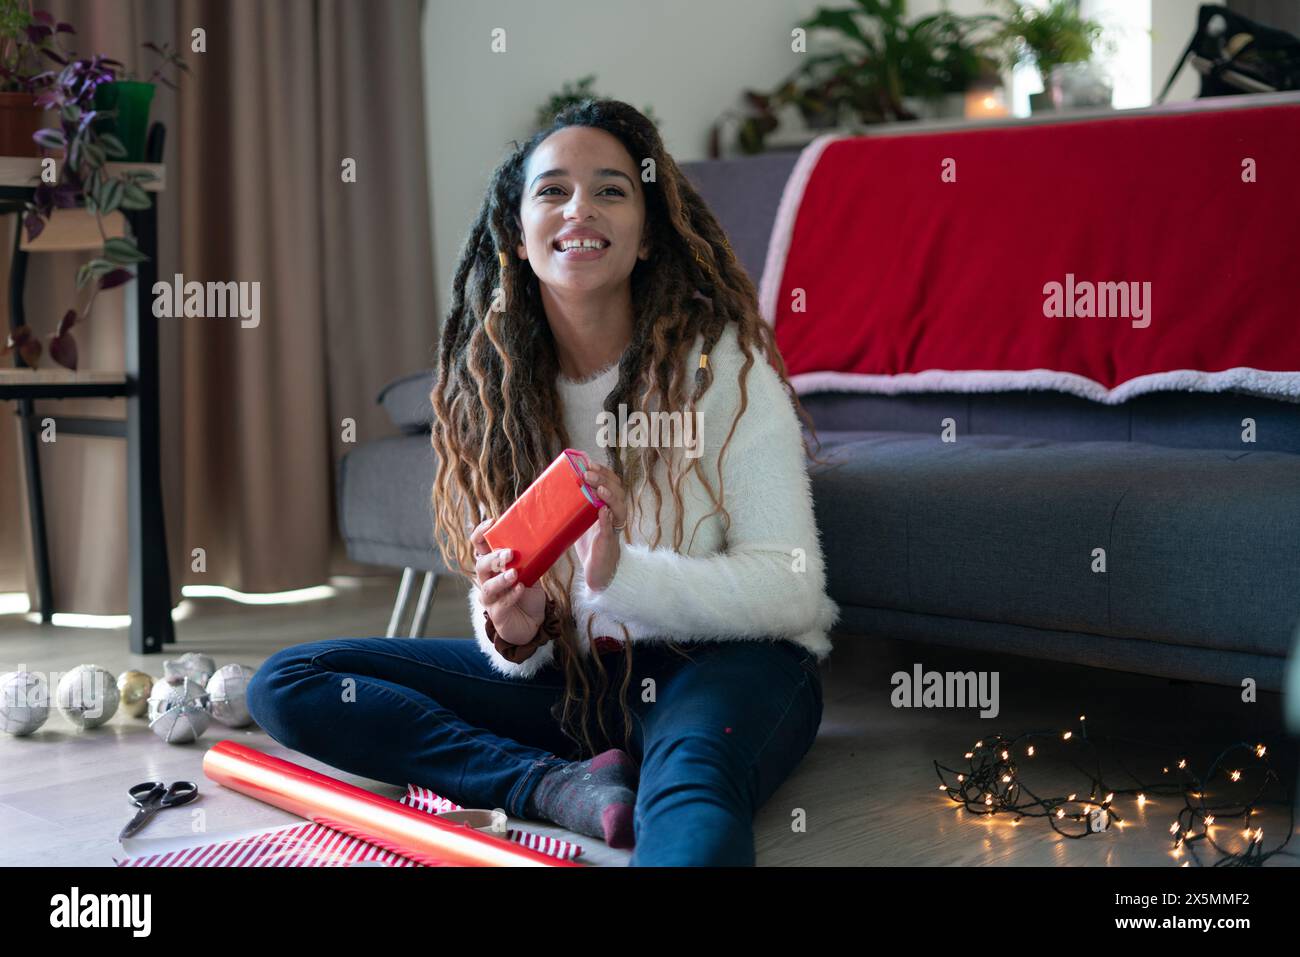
994, 783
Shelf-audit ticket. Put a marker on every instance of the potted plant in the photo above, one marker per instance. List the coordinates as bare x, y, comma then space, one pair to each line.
84, 181
890, 68
123, 103
1047, 38
574, 93
25, 38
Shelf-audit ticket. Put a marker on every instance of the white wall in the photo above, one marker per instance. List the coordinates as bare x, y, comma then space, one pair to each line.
1172, 24
689, 60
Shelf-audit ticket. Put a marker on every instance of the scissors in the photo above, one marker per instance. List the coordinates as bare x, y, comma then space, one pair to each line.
152, 796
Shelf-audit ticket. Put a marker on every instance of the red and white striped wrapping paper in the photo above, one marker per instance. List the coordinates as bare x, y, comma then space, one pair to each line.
313, 845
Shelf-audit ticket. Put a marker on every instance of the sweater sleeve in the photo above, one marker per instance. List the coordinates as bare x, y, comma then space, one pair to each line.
534, 663
770, 580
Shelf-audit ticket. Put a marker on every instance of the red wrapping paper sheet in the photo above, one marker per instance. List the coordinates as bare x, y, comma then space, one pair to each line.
354, 811
550, 516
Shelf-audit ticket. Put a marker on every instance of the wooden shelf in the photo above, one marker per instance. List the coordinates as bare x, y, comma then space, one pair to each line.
26, 171
60, 377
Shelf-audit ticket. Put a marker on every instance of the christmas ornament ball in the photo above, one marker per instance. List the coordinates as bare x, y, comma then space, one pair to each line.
178, 713
24, 702
87, 696
192, 665
133, 688
228, 690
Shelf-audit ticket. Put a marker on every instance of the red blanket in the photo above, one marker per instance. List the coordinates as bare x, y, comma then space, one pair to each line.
1100, 257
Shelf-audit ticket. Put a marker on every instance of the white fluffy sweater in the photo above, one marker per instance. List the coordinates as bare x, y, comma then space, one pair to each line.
763, 579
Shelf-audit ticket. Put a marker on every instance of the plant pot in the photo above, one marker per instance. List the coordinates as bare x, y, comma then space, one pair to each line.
1041, 102
131, 100
20, 117
823, 119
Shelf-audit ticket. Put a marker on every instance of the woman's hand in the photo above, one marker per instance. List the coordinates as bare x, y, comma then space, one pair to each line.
516, 612
598, 548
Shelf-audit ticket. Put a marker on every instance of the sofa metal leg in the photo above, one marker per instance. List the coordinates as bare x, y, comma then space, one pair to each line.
421, 616
403, 592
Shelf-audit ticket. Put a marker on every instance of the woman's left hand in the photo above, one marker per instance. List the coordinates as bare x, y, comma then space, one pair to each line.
598, 548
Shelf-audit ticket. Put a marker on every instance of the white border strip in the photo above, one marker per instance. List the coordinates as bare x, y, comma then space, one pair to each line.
778, 245
1274, 385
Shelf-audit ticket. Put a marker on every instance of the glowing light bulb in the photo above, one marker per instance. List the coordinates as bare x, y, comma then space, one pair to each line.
1173, 828
1142, 800
1082, 718
1182, 763
961, 777
1070, 798
1259, 750
1067, 736
979, 744
1006, 778
1236, 775
1109, 797
1209, 819
1031, 750
1004, 755
969, 754
1060, 812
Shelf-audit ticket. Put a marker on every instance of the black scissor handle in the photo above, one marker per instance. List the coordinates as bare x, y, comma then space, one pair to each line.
144, 794
181, 792
158, 794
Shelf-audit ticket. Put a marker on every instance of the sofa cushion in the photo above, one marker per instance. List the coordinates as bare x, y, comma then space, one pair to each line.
407, 401
385, 493
1202, 547
1174, 419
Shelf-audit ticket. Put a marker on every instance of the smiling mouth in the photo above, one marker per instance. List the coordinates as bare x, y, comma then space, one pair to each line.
581, 248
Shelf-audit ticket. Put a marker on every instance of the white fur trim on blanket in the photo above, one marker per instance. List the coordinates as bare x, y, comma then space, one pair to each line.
1273, 385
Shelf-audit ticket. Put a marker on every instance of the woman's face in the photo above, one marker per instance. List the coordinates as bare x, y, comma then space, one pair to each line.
580, 182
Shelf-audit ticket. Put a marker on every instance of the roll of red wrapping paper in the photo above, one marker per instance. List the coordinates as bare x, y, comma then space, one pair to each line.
357, 812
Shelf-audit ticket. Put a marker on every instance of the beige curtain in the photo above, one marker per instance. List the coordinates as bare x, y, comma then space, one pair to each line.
252, 417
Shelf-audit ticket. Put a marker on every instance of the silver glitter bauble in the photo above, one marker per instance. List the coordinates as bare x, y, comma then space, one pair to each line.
190, 665
87, 696
133, 689
179, 713
228, 690
24, 702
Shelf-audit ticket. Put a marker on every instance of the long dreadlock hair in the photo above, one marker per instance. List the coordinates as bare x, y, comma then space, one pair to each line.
498, 420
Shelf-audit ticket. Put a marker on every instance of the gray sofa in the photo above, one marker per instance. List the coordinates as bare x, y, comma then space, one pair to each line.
986, 542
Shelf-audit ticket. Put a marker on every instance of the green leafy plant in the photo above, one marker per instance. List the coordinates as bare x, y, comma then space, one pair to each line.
572, 93
1047, 37
169, 60
879, 59
884, 57
26, 37
84, 179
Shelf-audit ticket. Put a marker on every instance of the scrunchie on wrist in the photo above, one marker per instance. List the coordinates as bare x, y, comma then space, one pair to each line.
549, 630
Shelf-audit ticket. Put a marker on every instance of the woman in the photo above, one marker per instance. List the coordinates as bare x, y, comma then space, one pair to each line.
596, 284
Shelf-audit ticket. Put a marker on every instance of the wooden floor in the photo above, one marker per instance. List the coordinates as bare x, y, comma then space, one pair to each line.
868, 789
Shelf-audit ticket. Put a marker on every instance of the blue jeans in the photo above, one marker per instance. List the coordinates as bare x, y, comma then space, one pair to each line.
722, 732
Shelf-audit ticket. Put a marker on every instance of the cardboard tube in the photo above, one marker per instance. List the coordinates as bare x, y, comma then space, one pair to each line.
359, 813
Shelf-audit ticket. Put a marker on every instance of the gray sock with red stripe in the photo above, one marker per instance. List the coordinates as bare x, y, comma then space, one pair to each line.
594, 797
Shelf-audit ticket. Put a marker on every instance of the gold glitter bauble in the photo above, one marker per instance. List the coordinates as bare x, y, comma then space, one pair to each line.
134, 688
